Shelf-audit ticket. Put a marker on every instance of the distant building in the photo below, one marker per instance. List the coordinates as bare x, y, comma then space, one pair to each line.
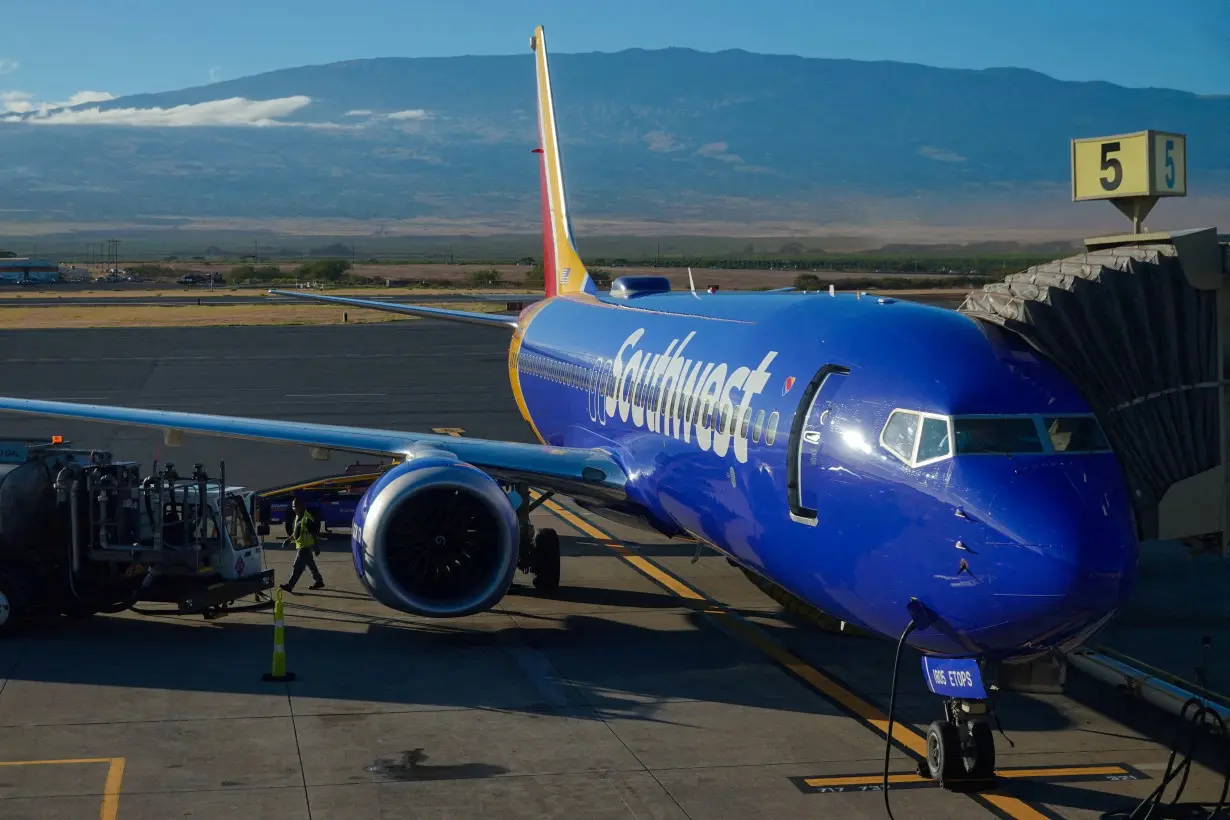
29, 270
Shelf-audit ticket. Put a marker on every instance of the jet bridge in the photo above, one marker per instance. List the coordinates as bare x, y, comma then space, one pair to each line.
1141, 324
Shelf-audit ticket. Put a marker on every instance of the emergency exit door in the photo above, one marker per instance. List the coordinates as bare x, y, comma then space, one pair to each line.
807, 439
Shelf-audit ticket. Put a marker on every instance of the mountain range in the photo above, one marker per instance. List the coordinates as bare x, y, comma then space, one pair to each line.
679, 135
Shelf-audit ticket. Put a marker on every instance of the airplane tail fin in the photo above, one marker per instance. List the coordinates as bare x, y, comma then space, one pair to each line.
563, 270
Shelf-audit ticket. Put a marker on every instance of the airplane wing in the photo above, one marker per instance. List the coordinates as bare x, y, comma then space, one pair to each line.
486, 319
579, 473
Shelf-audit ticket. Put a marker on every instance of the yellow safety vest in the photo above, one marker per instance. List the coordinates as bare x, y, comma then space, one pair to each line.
303, 536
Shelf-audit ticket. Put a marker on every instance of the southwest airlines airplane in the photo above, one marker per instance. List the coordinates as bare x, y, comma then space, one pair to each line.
895, 465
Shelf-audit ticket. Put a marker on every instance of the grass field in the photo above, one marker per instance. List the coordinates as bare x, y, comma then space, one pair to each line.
70, 316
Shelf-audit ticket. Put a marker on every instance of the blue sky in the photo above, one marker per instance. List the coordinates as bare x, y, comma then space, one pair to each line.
56, 48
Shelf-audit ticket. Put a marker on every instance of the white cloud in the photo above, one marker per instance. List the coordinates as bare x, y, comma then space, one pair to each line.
940, 154
22, 102
235, 111
8, 66
359, 112
83, 97
661, 142
409, 114
717, 150
16, 102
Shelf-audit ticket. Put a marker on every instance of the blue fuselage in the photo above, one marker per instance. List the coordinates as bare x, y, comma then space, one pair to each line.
760, 424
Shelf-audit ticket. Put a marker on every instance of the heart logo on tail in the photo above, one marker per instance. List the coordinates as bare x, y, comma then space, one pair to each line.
789, 384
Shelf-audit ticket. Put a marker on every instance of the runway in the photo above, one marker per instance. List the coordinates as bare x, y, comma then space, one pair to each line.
649, 686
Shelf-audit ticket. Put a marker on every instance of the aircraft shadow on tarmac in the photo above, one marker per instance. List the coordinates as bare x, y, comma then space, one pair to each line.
584, 665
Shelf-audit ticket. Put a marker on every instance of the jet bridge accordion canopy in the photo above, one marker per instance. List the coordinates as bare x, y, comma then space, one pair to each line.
1136, 324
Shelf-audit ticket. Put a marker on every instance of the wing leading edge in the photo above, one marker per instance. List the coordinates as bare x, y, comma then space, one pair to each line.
486, 319
580, 473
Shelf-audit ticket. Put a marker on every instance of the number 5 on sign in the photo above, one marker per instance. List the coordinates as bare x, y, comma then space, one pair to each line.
1144, 164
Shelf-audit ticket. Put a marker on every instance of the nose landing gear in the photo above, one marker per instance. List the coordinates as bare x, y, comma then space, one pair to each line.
960, 748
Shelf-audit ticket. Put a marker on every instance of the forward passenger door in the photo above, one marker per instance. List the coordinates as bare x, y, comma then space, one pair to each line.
807, 435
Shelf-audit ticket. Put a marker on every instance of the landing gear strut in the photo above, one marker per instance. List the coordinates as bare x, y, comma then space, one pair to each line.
960, 748
539, 553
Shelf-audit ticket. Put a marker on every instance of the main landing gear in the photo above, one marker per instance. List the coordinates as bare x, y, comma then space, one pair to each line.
539, 554
960, 748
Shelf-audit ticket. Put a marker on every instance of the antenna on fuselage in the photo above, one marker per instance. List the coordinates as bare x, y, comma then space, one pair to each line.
832, 290
692, 283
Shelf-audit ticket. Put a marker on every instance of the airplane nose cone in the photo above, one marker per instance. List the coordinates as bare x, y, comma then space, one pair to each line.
1068, 547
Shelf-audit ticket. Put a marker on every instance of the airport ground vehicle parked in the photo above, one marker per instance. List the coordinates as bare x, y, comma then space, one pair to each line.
82, 533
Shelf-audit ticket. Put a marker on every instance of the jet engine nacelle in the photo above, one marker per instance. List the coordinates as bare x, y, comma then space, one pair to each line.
436, 537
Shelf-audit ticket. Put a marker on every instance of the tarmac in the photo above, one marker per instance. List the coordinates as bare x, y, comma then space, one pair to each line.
648, 686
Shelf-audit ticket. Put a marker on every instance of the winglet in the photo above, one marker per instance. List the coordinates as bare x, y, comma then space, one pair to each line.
563, 270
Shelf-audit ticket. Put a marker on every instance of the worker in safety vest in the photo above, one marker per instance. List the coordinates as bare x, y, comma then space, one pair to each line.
304, 535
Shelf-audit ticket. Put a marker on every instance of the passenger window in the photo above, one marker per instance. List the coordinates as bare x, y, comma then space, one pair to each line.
899, 433
725, 417
770, 433
758, 426
1072, 434
933, 443
747, 420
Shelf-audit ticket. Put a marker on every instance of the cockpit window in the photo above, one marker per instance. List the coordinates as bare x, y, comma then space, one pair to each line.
1000, 435
898, 435
933, 443
919, 438
1072, 434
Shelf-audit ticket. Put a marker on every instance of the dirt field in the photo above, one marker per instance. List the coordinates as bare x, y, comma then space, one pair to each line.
194, 316
513, 276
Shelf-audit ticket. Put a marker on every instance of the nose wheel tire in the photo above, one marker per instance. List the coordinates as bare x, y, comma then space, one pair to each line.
546, 560
960, 758
944, 763
979, 757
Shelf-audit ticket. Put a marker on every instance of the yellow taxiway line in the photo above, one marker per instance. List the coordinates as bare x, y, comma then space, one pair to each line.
1007, 774
111, 790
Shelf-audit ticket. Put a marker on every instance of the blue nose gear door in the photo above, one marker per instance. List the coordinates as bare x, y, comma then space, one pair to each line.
806, 441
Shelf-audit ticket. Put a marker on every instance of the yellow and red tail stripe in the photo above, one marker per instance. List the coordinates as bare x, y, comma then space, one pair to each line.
563, 270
